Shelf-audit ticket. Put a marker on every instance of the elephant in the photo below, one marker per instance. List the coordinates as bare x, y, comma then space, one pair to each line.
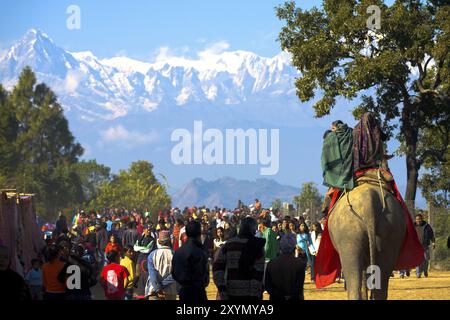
367, 231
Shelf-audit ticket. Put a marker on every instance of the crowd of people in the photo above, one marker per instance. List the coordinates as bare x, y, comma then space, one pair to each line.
135, 255
250, 250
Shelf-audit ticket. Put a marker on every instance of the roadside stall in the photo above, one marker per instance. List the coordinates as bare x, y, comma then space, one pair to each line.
19, 230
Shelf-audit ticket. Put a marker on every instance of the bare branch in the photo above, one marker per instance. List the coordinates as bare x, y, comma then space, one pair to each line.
426, 65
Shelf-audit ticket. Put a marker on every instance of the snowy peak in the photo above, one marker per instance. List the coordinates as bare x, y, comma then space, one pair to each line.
33, 40
34, 43
38, 51
84, 55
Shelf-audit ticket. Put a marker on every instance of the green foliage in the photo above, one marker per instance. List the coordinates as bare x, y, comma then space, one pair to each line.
337, 54
8, 134
435, 183
277, 204
309, 197
441, 227
38, 151
92, 175
136, 188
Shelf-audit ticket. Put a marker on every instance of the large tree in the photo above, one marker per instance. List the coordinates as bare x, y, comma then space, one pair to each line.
308, 198
92, 175
8, 134
38, 151
404, 64
136, 188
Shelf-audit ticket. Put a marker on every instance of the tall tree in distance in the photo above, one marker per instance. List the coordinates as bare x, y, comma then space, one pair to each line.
8, 135
277, 204
308, 198
92, 175
44, 134
405, 63
41, 144
135, 188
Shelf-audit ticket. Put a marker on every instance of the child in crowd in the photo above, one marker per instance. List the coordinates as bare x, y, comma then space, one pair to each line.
113, 246
34, 279
128, 263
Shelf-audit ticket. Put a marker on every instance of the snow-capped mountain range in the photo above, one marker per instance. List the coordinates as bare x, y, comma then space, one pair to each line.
112, 88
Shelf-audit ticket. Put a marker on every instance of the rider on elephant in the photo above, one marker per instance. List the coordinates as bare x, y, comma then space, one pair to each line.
346, 151
337, 160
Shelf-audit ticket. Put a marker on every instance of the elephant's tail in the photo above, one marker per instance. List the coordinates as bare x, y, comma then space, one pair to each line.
369, 222
371, 226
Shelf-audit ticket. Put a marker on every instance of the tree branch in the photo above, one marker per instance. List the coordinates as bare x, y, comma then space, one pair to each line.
437, 82
422, 76
426, 66
437, 154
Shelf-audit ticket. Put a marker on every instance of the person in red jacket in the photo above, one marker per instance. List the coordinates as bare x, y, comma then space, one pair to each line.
113, 246
114, 277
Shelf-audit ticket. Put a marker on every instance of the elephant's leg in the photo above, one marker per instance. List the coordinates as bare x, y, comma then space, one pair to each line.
364, 292
353, 277
382, 293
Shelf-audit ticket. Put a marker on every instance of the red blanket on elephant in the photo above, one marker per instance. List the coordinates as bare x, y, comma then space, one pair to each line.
328, 264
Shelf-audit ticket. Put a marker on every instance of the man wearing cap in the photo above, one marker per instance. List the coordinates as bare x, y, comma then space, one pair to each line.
160, 284
285, 275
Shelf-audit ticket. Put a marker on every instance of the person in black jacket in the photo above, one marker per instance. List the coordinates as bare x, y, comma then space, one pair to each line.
190, 266
285, 275
102, 239
60, 225
426, 237
130, 236
207, 240
77, 289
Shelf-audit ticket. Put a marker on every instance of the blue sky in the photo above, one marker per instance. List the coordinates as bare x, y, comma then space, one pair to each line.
139, 28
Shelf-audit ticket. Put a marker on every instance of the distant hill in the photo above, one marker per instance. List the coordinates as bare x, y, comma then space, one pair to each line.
225, 192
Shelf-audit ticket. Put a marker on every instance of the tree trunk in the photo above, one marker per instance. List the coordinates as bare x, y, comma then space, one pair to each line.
411, 134
412, 174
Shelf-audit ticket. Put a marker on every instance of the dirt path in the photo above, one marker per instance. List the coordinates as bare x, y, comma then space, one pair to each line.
435, 287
